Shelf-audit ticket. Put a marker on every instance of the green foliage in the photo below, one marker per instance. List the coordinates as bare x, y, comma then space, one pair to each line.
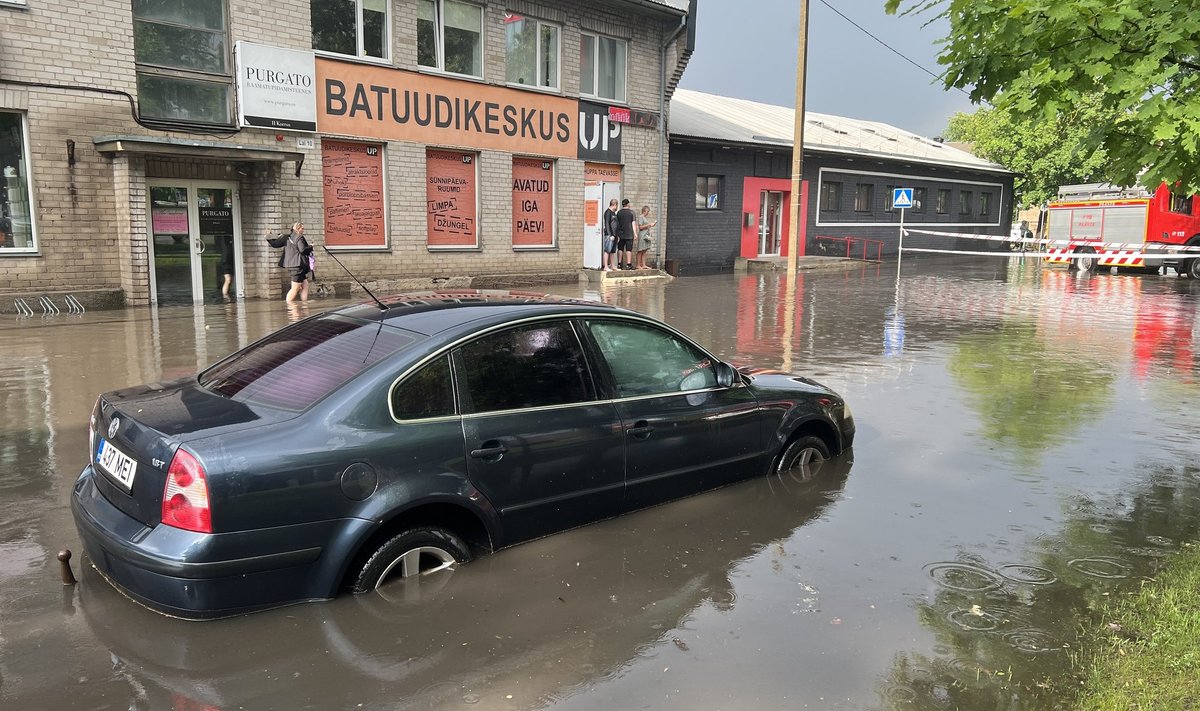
1045, 58
1045, 154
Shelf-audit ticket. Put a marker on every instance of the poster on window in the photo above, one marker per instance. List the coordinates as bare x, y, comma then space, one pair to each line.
354, 204
450, 191
532, 202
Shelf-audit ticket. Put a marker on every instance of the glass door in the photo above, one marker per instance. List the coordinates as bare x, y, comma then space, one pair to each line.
170, 238
770, 223
195, 241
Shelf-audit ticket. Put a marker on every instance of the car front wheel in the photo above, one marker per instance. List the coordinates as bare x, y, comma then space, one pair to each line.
410, 556
802, 458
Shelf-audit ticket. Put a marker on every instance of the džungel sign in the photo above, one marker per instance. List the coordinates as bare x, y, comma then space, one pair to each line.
389, 104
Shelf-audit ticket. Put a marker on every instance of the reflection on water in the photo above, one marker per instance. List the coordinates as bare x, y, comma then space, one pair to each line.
1024, 454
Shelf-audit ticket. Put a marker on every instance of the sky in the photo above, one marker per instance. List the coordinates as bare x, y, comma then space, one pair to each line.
747, 49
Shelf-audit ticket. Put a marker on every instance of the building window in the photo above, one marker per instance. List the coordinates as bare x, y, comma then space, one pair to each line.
985, 204
964, 202
887, 198
355, 208
864, 196
16, 210
831, 196
451, 198
450, 36
708, 192
532, 203
943, 202
182, 52
358, 28
918, 200
602, 67
530, 52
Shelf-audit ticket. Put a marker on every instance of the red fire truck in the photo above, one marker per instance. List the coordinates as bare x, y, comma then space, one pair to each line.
1117, 223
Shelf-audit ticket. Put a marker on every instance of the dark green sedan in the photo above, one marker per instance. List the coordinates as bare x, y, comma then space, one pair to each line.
378, 444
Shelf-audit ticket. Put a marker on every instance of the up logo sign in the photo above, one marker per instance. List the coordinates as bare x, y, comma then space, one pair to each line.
599, 138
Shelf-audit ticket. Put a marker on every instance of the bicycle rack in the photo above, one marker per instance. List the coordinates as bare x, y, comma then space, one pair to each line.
48, 307
22, 307
73, 305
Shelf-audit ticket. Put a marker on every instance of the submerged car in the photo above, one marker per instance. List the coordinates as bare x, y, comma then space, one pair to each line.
387, 440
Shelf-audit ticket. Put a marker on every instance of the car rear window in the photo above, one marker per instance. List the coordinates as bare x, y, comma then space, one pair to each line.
300, 364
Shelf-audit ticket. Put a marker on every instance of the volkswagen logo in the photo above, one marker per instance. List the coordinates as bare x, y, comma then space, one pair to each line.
113, 427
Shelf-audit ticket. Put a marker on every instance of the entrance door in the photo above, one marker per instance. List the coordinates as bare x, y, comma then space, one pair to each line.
195, 239
770, 223
601, 184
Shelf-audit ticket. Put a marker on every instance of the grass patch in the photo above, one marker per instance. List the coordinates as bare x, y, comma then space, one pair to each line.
1146, 654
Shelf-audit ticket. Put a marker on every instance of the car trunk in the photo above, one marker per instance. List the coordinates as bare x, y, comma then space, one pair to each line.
146, 425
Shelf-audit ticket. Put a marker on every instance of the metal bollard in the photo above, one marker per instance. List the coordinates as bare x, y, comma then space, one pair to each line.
64, 559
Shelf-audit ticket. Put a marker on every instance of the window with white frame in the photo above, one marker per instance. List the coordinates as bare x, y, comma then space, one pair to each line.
181, 48
358, 28
530, 51
450, 36
16, 209
602, 67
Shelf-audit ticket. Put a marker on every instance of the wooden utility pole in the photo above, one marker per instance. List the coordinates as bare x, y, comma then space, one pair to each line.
789, 297
798, 141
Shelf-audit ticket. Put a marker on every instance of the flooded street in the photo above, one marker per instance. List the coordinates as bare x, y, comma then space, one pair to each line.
1025, 452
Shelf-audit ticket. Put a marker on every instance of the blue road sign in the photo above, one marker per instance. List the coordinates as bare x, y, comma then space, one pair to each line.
902, 197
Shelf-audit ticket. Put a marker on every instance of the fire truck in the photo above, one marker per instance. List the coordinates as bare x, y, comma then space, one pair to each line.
1117, 223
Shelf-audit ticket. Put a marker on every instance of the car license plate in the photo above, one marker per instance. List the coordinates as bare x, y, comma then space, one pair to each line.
117, 463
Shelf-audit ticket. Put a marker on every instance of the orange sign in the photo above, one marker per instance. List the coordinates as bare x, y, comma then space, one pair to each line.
390, 104
450, 190
594, 173
591, 212
532, 202
353, 177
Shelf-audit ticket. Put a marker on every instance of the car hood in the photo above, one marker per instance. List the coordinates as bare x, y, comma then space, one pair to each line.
769, 379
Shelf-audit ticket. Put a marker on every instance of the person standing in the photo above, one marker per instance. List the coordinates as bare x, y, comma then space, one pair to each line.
627, 231
645, 238
608, 227
225, 268
296, 251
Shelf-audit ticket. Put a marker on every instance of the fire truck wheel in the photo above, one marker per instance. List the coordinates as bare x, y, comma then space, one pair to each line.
1083, 264
1190, 269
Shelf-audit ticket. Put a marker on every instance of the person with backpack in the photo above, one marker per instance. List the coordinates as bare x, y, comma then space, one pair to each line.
626, 232
608, 227
296, 258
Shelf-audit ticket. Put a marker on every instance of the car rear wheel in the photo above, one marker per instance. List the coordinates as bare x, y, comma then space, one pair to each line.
410, 556
802, 458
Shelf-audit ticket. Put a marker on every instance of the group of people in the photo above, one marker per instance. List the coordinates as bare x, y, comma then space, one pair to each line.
627, 237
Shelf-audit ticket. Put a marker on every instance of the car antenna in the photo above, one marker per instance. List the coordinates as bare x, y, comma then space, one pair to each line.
381, 305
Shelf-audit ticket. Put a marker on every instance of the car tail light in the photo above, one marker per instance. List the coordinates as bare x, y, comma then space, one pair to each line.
185, 497
95, 420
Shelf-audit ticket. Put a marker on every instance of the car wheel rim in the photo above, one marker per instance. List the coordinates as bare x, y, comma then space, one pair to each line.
418, 561
805, 465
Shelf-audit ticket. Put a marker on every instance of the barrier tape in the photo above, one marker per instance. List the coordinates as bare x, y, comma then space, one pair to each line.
1063, 255
1108, 246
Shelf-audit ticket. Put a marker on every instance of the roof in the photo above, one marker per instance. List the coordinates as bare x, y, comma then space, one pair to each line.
430, 312
723, 119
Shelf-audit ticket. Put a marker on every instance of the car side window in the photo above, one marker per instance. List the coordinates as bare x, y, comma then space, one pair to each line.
429, 392
649, 361
529, 366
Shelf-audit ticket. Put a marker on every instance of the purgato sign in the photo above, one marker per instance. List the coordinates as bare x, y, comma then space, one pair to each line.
276, 87
396, 105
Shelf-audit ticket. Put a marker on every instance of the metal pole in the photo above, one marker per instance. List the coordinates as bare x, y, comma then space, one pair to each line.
661, 208
900, 246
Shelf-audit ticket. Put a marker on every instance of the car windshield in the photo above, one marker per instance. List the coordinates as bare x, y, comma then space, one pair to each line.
298, 365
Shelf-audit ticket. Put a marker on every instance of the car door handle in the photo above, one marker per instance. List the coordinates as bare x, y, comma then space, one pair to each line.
640, 429
493, 452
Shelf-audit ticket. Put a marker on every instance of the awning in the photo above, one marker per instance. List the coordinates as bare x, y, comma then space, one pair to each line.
212, 150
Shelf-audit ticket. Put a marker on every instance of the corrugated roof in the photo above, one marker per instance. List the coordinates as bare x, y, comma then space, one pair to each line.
710, 117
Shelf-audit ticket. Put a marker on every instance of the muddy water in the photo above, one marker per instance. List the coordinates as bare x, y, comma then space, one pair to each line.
1026, 452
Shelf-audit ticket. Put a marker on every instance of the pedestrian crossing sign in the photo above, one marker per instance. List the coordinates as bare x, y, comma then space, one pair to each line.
902, 197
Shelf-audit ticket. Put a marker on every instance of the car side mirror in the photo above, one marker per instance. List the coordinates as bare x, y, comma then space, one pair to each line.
725, 375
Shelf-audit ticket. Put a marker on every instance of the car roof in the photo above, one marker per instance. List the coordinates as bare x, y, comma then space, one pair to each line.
434, 311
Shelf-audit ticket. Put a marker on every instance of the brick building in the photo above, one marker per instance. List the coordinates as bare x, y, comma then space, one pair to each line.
146, 147
730, 185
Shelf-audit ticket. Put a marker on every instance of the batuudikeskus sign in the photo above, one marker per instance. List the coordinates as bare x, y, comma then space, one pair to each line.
277, 88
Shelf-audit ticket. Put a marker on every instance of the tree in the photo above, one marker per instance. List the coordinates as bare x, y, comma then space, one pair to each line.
1044, 154
1043, 58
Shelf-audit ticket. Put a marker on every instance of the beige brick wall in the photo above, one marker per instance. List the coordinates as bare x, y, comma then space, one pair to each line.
91, 216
